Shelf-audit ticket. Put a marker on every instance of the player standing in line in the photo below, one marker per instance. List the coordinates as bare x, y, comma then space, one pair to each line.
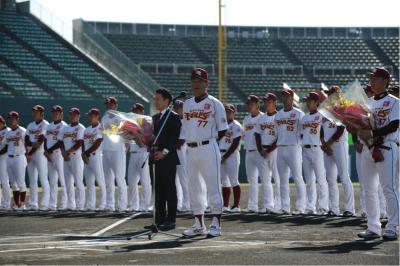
265, 135
37, 162
256, 166
229, 147
289, 157
72, 140
336, 157
138, 158
313, 159
182, 186
204, 123
93, 161
385, 108
114, 160
4, 181
55, 161
16, 161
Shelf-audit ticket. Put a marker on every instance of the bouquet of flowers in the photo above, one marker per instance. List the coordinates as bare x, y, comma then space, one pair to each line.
131, 126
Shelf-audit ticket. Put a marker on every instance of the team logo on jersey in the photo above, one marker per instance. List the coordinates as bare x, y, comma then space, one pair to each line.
207, 106
76, 129
249, 127
199, 115
269, 126
286, 122
386, 103
383, 113
316, 118
310, 125
292, 115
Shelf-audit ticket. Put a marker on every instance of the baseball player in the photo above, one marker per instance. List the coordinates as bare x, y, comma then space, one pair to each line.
289, 157
313, 160
37, 162
256, 165
138, 157
55, 161
381, 164
93, 161
16, 161
72, 140
4, 181
204, 123
229, 147
336, 154
182, 188
265, 135
114, 160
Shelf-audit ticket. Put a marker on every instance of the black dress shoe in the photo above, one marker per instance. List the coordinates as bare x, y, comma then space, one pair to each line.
347, 214
167, 226
152, 226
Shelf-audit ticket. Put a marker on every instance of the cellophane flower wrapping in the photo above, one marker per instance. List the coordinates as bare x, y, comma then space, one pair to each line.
348, 107
131, 127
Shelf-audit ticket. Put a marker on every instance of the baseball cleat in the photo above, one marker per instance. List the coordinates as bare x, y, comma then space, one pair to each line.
225, 209
367, 234
331, 214
32, 208
297, 212
310, 212
195, 231
214, 231
347, 214
282, 212
321, 212
250, 210
383, 215
234, 209
207, 210
44, 209
389, 235
362, 215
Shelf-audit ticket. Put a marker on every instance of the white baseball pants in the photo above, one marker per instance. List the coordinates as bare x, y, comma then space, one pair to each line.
73, 172
56, 175
37, 167
93, 172
114, 164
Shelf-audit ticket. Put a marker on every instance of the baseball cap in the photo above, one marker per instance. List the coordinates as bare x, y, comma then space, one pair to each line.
199, 73
2, 120
313, 96
333, 89
93, 111
178, 104
288, 91
394, 89
137, 106
270, 96
380, 72
38, 108
111, 99
230, 107
56, 108
252, 99
13, 114
74, 110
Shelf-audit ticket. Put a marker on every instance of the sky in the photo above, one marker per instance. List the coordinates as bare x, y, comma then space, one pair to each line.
322, 13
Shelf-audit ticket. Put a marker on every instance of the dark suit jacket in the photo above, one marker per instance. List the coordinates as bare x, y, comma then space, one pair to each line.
169, 136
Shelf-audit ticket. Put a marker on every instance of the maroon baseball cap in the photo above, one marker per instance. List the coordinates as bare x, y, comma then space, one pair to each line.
252, 99
178, 104
270, 96
74, 110
111, 99
199, 73
230, 107
380, 72
287, 91
137, 106
313, 96
333, 89
93, 111
38, 108
56, 108
2, 120
13, 114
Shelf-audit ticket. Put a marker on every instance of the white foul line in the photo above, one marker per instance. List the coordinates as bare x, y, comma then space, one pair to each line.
102, 231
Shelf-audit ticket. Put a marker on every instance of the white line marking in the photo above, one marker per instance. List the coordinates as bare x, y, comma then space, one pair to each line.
102, 231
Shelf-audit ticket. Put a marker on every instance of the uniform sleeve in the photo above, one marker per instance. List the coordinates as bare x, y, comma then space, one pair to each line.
220, 117
80, 133
257, 128
394, 113
61, 134
237, 131
27, 131
99, 134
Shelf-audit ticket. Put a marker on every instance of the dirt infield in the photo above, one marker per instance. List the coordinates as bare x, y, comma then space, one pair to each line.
103, 238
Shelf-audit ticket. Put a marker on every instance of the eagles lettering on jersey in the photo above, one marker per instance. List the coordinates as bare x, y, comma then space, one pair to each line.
199, 114
54, 132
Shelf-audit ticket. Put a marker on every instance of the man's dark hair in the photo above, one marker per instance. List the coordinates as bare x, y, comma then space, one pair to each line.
164, 93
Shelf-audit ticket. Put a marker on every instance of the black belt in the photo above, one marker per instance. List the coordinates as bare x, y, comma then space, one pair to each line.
267, 146
251, 150
197, 144
398, 144
310, 146
222, 150
12, 156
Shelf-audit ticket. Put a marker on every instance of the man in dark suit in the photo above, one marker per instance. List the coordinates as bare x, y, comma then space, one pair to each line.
165, 159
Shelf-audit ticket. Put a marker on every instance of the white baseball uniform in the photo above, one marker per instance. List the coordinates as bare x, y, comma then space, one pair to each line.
37, 166
73, 169
336, 163
201, 122
182, 179
256, 167
289, 156
93, 170
313, 162
385, 110
266, 129
114, 164
4, 180
138, 158
56, 166
16, 161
